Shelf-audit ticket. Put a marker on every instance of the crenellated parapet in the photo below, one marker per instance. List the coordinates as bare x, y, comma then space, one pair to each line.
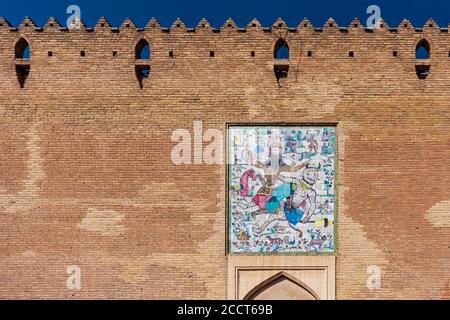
103, 25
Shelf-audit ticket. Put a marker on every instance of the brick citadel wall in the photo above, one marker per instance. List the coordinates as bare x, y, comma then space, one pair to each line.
86, 176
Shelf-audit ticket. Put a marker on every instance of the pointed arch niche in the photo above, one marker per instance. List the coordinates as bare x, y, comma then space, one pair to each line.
281, 277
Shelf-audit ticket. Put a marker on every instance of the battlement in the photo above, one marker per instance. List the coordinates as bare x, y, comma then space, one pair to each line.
28, 25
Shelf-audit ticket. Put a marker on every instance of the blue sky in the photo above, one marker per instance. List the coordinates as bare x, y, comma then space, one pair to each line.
166, 11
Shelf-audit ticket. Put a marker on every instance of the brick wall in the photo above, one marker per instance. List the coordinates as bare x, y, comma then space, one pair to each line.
86, 176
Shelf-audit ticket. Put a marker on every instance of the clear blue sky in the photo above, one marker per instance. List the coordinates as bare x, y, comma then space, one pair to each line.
166, 11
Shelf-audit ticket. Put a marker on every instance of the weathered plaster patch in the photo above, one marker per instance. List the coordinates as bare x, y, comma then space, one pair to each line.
217, 238
28, 197
105, 222
28, 254
134, 270
358, 253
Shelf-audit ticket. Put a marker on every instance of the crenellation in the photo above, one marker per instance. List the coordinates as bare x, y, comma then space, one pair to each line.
431, 24
52, 25
4, 24
103, 25
355, 24
178, 26
254, 25
229, 26
331, 24
153, 25
203, 26
127, 25
27, 24
279, 24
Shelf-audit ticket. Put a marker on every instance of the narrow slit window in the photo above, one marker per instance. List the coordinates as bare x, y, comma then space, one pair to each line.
22, 50
22, 72
143, 50
422, 71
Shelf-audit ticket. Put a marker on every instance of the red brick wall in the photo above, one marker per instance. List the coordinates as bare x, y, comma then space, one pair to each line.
86, 176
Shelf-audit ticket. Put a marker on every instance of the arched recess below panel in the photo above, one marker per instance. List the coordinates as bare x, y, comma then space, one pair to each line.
281, 286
